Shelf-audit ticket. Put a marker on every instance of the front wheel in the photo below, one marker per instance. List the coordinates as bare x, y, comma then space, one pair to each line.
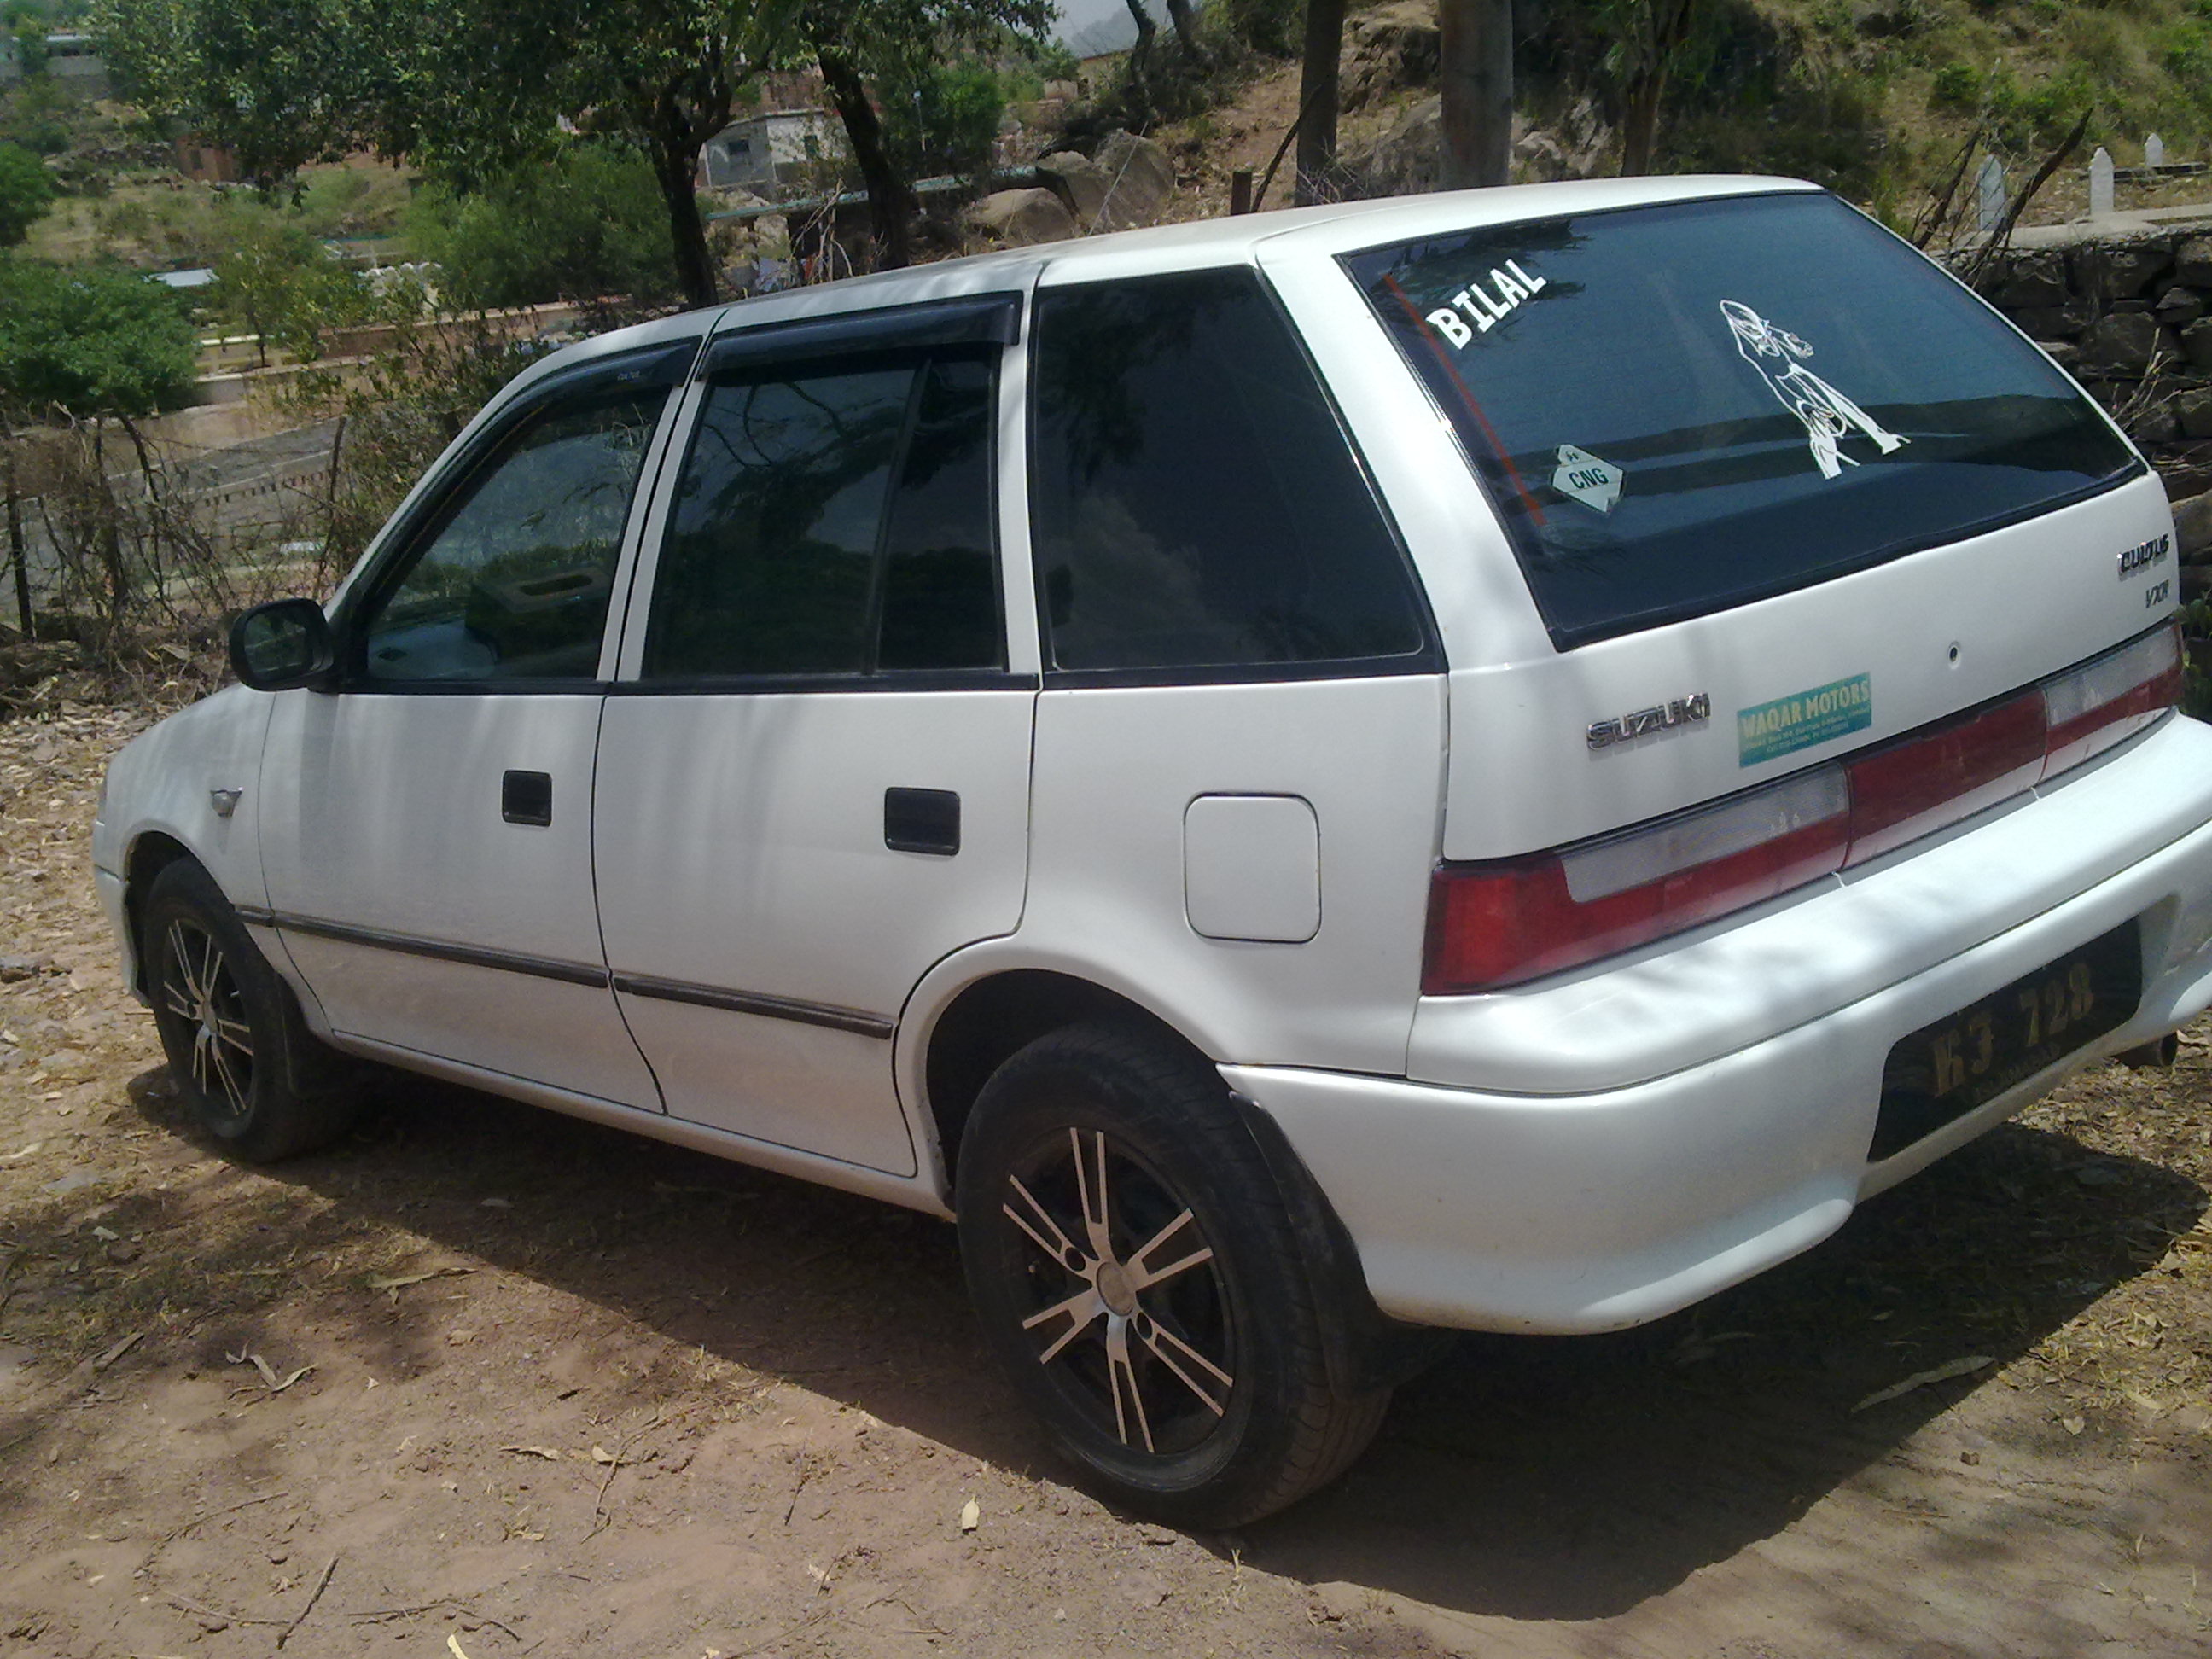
254, 1077
1140, 1279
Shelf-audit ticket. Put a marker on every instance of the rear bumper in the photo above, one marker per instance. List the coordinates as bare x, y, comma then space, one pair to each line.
1586, 1209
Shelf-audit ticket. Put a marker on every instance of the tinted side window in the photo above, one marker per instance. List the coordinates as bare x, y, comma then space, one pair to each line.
512, 581
1194, 502
834, 523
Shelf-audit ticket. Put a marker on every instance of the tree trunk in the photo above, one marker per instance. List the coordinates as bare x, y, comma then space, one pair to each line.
1186, 32
1665, 26
1140, 110
676, 140
891, 203
1317, 96
1475, 73
1640, 120
19, 556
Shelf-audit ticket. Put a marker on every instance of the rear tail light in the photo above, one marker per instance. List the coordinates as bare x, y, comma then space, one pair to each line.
2110, 698
1913, 788
1498, 924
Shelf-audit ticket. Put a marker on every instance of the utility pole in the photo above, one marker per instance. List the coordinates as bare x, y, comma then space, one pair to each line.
1475, 68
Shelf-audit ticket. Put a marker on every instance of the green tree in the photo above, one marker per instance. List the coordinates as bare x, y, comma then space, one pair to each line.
586, 224
28, 26
26, 191
83, 341
91, 340
876, 52
471, 89
282, 284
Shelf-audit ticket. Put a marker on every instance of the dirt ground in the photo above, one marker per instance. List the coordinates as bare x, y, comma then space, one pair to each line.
481, 1380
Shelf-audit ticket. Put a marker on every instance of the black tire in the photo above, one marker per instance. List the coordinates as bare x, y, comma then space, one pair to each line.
249, 1071
1186, 1372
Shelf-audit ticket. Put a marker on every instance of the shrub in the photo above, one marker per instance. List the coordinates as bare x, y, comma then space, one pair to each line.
589, 222
26, 191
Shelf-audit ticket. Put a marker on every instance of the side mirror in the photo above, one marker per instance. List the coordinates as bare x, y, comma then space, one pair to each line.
282, 645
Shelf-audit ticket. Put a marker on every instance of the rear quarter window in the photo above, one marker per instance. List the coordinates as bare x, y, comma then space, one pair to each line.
1682, 408
1196, 508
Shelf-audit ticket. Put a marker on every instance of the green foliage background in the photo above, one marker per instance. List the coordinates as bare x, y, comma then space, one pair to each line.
586, 223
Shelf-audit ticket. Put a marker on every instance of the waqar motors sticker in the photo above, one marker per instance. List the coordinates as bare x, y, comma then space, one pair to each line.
1803, 719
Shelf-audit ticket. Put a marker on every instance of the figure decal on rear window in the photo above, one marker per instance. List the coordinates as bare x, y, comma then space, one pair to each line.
1828, 414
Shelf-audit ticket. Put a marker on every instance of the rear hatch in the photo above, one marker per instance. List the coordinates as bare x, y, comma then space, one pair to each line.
1782, 494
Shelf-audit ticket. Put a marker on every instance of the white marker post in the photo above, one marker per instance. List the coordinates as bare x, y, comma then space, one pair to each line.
2101, 183
1989, 197
2154, 151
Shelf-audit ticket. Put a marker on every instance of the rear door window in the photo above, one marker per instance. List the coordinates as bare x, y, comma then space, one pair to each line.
834, 521
1683, 408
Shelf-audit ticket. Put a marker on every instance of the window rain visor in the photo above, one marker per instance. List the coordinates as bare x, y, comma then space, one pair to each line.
1684, 408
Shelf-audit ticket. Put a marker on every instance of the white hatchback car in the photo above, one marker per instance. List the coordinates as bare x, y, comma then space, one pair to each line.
1496, 761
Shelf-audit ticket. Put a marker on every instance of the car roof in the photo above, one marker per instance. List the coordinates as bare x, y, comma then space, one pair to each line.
1189, 246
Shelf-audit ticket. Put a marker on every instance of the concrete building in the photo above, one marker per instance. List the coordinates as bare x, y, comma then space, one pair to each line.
764, 153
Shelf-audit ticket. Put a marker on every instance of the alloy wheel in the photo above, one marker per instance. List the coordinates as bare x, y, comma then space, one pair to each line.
202, 991
1130, 1319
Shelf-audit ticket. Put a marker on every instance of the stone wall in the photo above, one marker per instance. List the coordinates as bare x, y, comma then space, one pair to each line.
2131, 317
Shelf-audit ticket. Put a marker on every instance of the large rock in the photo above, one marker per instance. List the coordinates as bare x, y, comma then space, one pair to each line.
1405, 161
1139, 182
2192, 528
1077, 180
2194, 411
2196, 342
2122, 346
2034, 281
1396, 46
2119, 271
2192, 263
1022, 216
2052, 322
2178, 308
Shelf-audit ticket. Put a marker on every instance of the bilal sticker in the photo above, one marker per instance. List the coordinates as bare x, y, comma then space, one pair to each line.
1588, 480
1483, 306
1803, 719
1829, 417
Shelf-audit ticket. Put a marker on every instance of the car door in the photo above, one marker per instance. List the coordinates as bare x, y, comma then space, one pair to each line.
813, 772
427, 827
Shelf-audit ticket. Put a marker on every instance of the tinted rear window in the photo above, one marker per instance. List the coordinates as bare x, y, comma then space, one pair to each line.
1683, 408
1195, 504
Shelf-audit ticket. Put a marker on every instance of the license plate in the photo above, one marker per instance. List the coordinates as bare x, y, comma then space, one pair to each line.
1943, 1071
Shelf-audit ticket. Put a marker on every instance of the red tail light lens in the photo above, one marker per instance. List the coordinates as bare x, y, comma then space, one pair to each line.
1913, 788
1495, 925
1498, 924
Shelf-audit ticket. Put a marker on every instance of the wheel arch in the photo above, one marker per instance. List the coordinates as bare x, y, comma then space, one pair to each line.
152, 851
992, 1017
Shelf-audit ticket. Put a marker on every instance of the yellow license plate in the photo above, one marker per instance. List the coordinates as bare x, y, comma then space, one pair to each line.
1945, 1070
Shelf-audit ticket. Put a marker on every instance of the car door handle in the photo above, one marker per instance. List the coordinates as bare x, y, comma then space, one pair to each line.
527, 797
921, 821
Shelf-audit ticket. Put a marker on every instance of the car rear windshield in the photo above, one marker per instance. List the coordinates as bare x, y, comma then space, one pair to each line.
1683, 408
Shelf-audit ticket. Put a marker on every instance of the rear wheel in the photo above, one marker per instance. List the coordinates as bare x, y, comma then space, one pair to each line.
253, 1074
1139, 1278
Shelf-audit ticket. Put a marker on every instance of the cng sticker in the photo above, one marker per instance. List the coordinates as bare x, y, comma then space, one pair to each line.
1798, 721
1586, 479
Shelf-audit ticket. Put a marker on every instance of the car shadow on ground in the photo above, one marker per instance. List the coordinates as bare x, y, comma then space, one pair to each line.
1528, 1478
